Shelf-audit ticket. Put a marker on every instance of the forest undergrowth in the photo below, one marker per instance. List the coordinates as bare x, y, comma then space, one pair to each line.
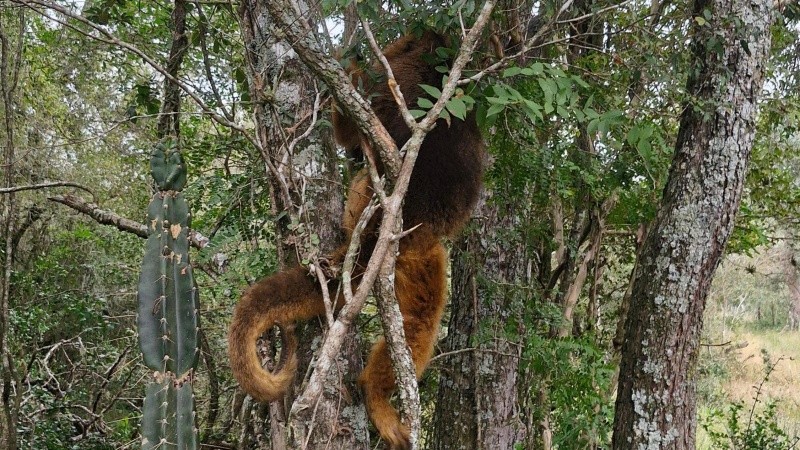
749, 366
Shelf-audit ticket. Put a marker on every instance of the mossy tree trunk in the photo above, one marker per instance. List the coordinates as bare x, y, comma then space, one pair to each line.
494, 271
477, 404
656, 405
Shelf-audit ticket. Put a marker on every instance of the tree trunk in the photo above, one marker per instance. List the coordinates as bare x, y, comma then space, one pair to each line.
477, 405
169, 116
494, 278
305, 183
655, 406
10, 61
793, 283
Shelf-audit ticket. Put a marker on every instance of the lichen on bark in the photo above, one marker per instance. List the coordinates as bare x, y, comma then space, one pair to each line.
655, 406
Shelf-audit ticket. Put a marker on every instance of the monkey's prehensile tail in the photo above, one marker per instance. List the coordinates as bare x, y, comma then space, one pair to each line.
279, 300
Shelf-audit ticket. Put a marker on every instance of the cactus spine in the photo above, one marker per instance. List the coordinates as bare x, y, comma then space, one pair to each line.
167, 319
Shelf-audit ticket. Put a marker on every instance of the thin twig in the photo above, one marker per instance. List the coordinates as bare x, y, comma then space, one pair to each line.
109, 38
594, 13
770, 369
326, 296
45, 185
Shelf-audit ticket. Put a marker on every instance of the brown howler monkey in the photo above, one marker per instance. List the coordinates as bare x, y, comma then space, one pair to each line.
443, 189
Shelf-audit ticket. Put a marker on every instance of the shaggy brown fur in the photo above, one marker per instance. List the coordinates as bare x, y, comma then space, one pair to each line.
443, 190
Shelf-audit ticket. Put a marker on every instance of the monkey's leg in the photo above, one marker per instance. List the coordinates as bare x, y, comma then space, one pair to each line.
420, 287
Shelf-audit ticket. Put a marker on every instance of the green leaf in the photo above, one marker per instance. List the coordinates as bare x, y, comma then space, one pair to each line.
515, 94
424, 103
432, 91
446, 116
495, 109
549, 89
512, 71
633, 135
500, 91
417, 113
457, 108
646, 152
497, 100
592, 126
580, 82
533, 110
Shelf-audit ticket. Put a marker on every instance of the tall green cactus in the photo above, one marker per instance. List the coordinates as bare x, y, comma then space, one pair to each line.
168, 311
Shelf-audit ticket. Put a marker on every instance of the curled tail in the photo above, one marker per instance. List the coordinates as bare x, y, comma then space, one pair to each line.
279, 300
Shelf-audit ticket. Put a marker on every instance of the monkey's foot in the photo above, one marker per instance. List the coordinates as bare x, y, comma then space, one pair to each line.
396, 437
330, 270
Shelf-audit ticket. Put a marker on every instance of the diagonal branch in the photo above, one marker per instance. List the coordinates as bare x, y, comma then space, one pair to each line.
101, 216
298, 33
302, 38
106, 217
45, 185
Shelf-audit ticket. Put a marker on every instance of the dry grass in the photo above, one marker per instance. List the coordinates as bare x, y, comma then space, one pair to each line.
747, 370
784, 382
749, 304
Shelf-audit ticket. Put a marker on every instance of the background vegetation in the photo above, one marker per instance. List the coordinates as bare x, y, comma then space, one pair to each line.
81, 106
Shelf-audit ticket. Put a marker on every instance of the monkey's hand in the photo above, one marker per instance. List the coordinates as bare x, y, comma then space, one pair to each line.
329, 268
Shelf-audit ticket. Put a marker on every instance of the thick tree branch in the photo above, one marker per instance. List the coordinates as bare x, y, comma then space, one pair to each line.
106, 217
302, 38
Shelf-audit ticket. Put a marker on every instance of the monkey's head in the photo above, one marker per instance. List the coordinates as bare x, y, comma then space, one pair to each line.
413, 59
412, 45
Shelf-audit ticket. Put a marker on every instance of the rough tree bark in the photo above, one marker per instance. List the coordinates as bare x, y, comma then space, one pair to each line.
10, 63
305, 181
169, 116
476, 406
655, 406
